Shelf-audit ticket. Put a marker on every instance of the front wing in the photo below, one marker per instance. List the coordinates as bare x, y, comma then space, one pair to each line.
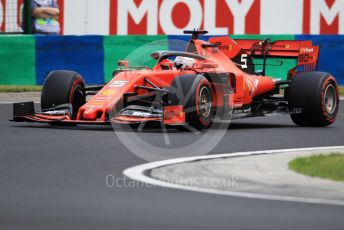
170, 115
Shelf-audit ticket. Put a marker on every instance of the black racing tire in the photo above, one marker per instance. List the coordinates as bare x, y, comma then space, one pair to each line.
314, 99
194, 92
63, 87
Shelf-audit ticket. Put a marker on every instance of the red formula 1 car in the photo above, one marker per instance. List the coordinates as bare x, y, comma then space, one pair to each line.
215, 79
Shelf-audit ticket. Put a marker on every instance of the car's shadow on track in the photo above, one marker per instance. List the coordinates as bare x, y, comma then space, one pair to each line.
77, 128
157, 128
242, 125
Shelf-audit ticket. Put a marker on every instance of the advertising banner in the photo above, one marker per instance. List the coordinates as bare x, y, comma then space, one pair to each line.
227, 16
171, 17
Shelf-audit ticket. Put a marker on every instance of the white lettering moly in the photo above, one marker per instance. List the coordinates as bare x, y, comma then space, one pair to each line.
164, 15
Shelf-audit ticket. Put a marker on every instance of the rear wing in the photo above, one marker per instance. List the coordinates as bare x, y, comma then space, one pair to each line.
303, 51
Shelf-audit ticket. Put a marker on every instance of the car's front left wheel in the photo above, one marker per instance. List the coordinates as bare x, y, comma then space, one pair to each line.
194, 92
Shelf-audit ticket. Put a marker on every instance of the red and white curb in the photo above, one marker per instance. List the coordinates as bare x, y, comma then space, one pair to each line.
139, 173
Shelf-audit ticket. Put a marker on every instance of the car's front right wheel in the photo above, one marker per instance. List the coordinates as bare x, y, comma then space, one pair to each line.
63, 87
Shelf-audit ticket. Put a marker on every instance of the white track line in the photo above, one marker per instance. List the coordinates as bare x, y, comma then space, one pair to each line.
10, 103
140, 173
6, 103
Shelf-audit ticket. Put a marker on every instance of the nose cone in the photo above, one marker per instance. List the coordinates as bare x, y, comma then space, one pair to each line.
91, 113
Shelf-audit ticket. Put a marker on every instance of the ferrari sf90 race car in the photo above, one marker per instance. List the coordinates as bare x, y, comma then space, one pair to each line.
210, 80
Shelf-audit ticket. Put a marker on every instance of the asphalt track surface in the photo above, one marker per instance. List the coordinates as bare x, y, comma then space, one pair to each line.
55, 178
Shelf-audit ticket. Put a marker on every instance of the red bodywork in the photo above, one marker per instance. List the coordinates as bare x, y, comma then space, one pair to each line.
218, 55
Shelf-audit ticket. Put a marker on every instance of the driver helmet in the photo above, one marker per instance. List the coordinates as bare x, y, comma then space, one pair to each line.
184, 62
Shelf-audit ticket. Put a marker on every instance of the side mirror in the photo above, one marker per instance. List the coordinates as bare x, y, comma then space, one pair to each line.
123, 63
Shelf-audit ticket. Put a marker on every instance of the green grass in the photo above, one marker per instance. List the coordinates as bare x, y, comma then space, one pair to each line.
325, 166
19, 88
341, 91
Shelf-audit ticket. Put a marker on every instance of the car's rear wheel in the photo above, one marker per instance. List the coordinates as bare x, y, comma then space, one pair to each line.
314, 99
63, 87
195, 94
